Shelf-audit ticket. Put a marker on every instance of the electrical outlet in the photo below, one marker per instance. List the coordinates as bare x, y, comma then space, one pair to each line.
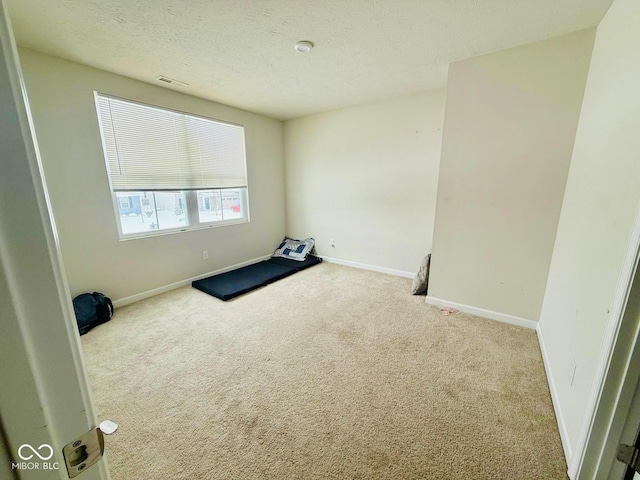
205, 255
571, 374
332, 243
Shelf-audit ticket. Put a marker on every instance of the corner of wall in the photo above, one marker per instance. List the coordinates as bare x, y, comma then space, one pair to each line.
562, 427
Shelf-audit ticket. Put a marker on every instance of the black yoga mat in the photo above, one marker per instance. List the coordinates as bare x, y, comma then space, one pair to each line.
226, 286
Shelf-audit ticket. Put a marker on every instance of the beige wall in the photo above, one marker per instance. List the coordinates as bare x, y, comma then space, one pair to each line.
61, 96
602, 195
366, 177
509, 129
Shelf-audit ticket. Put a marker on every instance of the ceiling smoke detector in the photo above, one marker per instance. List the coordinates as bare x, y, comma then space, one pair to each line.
304, 46
171, 81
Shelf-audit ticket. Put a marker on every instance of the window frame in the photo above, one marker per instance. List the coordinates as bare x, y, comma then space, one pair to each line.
191, 199
190, 195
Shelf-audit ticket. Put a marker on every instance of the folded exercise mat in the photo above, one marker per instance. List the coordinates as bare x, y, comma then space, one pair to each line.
226, 286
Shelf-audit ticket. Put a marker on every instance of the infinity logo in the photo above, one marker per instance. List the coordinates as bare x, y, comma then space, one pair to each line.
35, 452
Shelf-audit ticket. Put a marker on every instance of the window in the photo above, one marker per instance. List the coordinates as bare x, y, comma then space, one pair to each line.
151, 212
171, 171
219, 205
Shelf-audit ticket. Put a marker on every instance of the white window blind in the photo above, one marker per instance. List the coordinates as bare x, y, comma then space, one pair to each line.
149, 148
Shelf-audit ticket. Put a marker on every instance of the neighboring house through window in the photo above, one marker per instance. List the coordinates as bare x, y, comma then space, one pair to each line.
125, 203
171, 171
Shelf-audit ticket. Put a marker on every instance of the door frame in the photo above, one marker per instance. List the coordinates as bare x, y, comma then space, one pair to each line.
45, 397
630, 436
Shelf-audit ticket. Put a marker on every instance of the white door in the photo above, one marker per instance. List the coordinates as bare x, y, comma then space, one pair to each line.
44, 397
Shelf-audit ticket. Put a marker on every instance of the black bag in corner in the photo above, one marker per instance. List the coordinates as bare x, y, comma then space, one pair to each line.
92, 309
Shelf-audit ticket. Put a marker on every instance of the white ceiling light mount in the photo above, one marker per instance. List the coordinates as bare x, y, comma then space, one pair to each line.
304, 46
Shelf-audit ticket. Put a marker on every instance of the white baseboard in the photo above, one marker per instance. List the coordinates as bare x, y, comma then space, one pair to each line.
182, 283
364, 266
481, 312
562, 427
172, 286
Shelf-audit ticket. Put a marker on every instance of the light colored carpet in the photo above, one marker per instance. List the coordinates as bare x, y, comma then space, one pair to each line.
333, 373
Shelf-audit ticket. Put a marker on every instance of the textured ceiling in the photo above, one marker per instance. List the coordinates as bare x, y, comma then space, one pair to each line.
240, 52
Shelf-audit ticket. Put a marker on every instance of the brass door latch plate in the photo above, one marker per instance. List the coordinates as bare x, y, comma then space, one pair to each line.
83, 452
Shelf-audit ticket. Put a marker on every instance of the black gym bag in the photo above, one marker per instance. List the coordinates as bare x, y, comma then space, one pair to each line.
92, 309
